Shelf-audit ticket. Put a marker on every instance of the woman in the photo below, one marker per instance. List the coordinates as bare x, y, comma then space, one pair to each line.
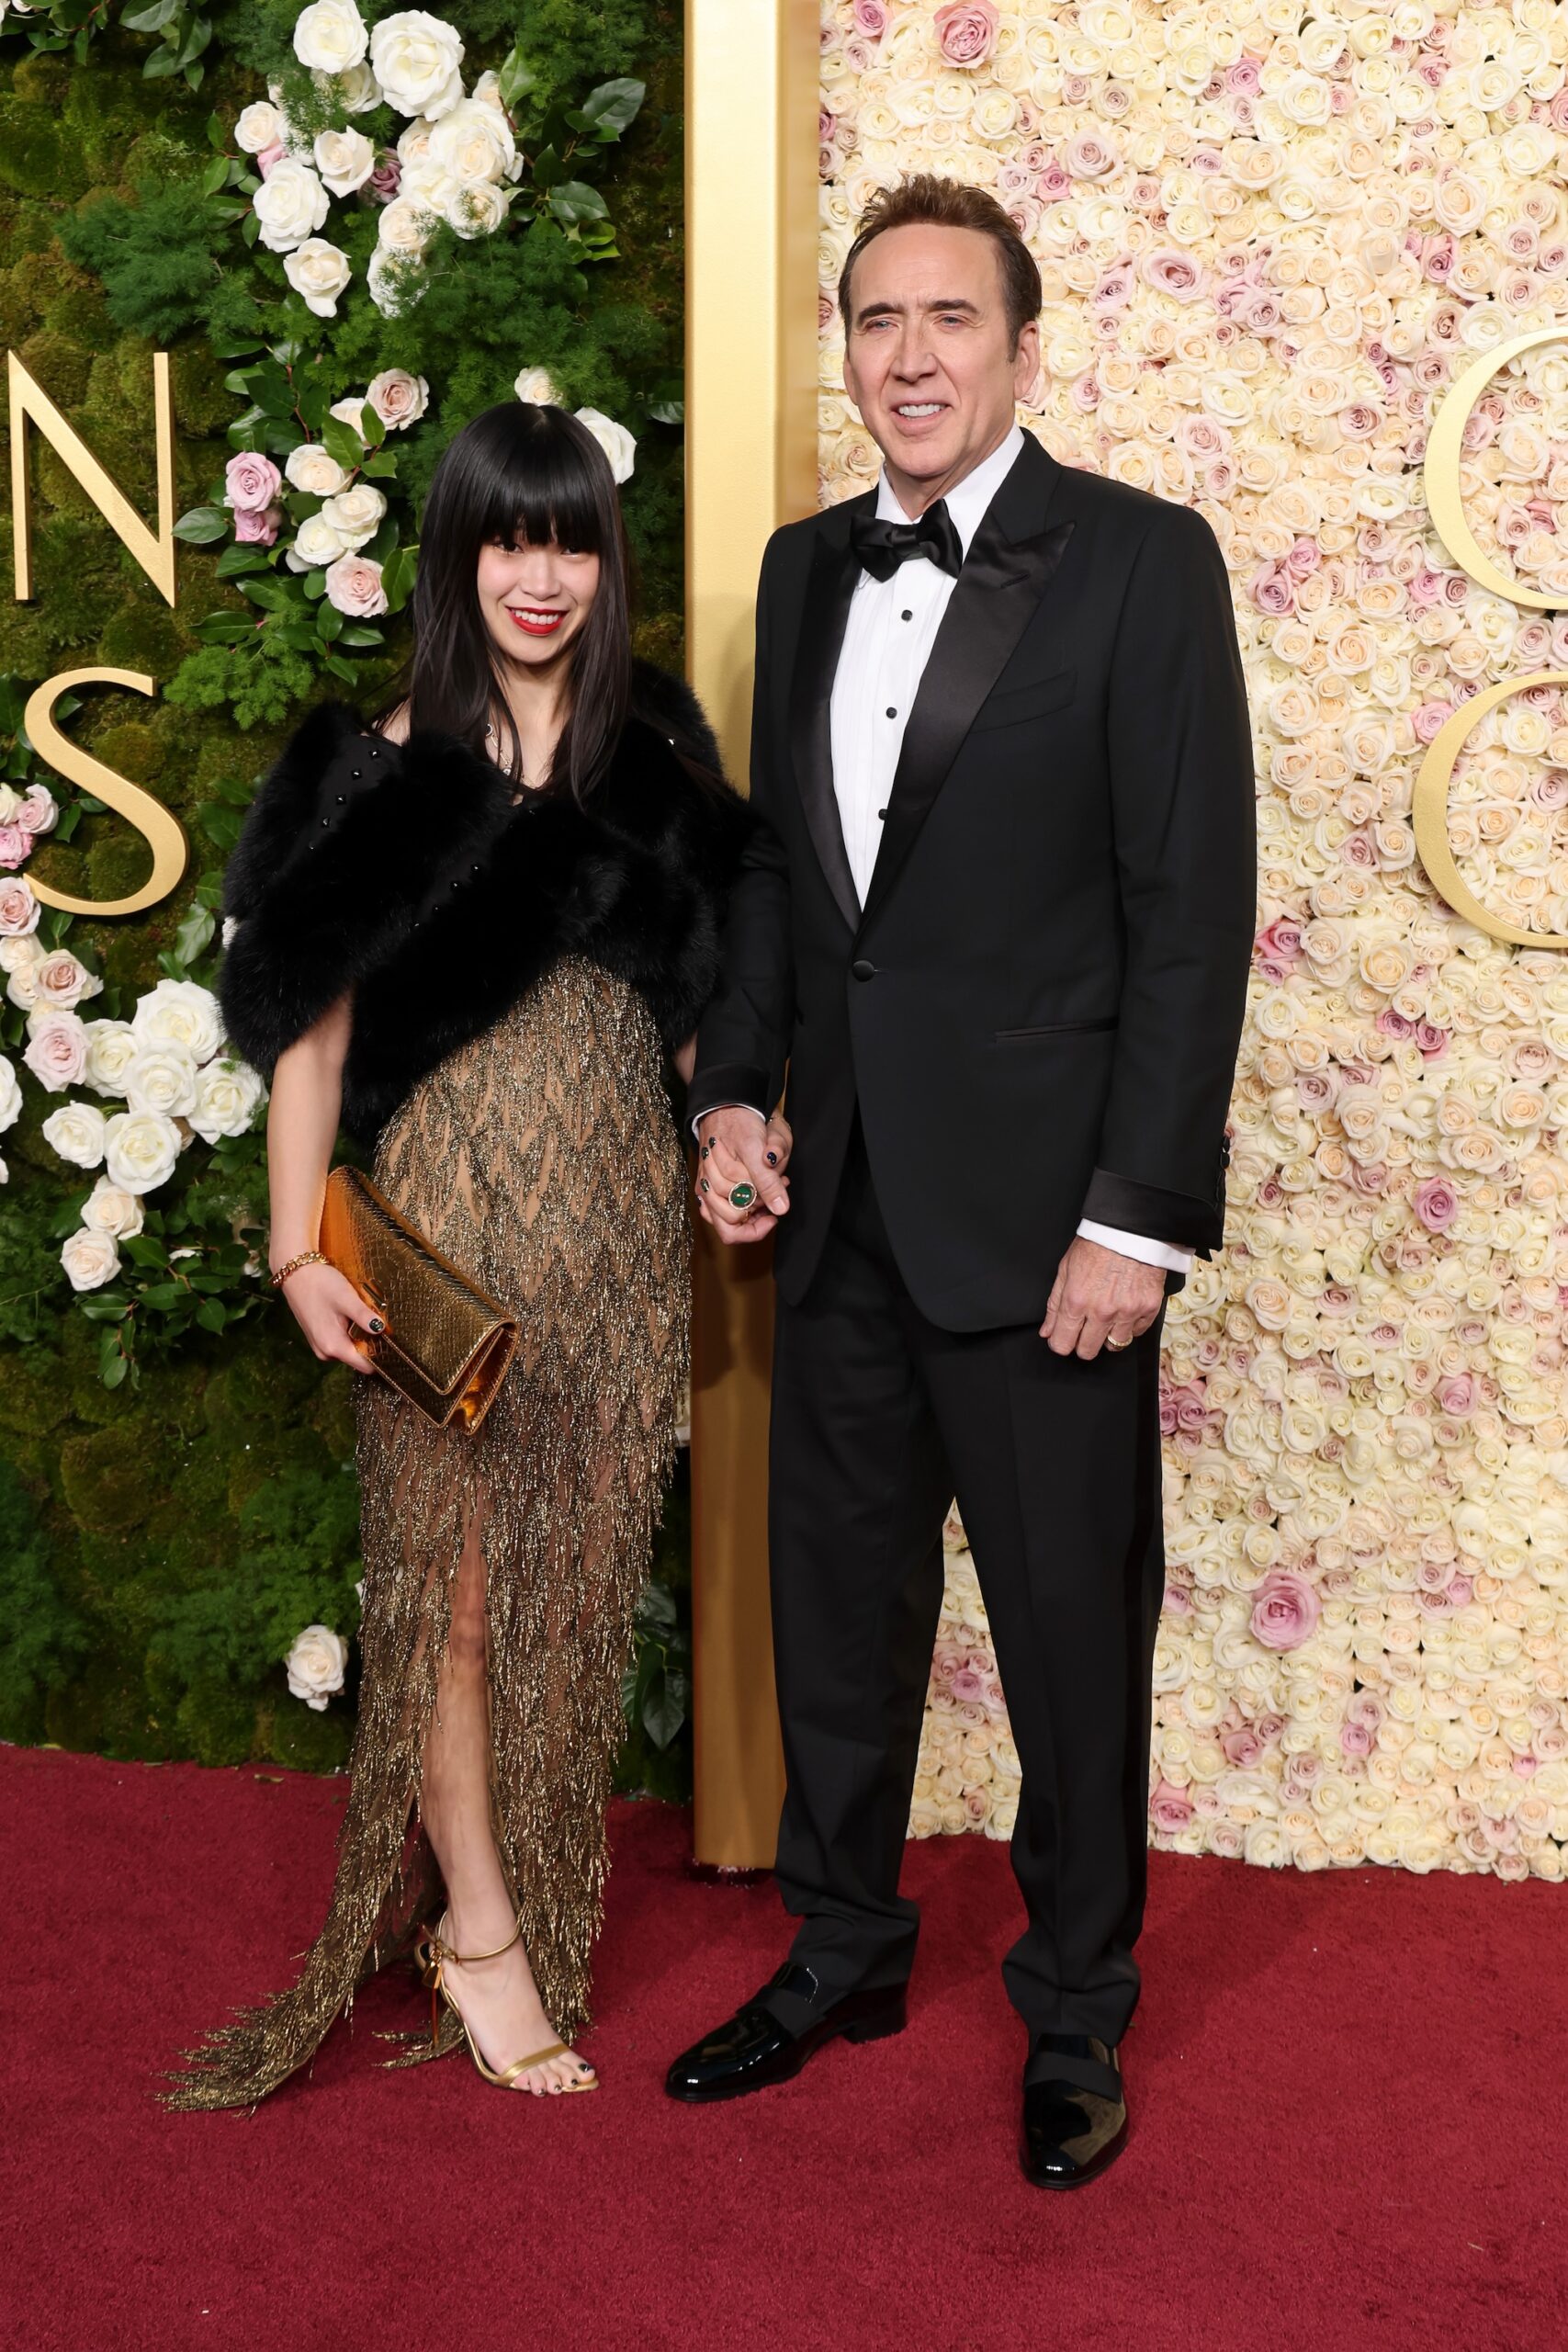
474, 936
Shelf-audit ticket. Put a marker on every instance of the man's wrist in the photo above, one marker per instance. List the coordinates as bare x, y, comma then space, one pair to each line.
715, 1108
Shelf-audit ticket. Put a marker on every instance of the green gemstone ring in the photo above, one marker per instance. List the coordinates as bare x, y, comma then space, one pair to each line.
742, 1195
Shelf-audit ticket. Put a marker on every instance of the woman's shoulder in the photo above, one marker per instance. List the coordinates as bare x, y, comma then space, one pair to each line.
665, 703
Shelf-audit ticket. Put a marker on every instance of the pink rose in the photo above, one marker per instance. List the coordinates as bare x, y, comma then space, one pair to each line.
1355, 1739
1172, 271
15, 847
385, 180
1432, 1042
250, 481
1457, 1395
966, 31
57, 1051
39, 811
267, 156
19, 910
1243, 1748
1278, 948
871, 18
1270, 589
1169, 1809
1429, 718
257, 526
969, 1687
1436, 1203
1285, 1611
354, 586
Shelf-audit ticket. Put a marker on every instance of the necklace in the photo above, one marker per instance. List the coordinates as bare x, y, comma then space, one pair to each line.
529, 783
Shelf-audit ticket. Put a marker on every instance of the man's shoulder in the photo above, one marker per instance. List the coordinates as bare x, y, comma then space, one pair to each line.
1131, 514
792, 545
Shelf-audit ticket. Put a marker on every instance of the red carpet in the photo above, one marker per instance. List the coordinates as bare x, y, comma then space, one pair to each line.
1348, 2102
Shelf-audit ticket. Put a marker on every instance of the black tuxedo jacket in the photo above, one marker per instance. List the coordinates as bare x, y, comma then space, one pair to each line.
1038, 1007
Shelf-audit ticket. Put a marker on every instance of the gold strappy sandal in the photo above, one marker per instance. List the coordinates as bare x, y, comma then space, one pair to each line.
432, 1955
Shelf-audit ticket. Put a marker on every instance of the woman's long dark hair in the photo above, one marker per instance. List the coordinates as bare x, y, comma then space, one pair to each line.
520, 473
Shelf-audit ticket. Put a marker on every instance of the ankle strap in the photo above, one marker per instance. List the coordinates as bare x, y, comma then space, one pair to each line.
441, 1951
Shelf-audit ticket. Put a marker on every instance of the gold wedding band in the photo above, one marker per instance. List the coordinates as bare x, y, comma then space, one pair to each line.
1117, 1344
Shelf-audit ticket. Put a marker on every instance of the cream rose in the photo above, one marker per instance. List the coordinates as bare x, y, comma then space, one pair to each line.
537, 386
10, 1095
345, 159
56, 1049
183, 1014
90, 1258
617, 443
19, 908
290, 204
111, 1047
315, 1663
318, 272
225, 1097
61, 981
315, 543
161, 1078
330, 36
109, 1209
355, 586
311, 469
260, 126
416, 57
358, 90
475, 207
355, 516
76, 1132
474, 142
141, 1148
393, 281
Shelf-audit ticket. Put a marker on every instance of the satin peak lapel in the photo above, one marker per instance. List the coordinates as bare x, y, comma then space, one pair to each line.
829, 587
1001, 583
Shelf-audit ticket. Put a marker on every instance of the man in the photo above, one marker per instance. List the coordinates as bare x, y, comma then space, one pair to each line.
996, 920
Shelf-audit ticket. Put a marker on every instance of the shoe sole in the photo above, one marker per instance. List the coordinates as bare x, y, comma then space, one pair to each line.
866, 2030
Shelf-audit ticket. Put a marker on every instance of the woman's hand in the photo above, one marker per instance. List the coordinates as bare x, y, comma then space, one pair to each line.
328, 1310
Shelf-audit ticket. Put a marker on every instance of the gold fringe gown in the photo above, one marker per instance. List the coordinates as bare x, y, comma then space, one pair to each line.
542, 1158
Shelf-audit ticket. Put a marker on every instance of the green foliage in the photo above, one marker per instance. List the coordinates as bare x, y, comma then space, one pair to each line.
41, 1638
152, 257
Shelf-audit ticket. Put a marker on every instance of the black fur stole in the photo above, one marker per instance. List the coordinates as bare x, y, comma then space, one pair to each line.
403, 871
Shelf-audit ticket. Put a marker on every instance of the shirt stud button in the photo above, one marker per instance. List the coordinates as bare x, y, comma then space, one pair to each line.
882, 814
905, 617
892, 714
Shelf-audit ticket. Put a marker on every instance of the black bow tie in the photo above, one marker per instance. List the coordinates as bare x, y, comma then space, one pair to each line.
882, 546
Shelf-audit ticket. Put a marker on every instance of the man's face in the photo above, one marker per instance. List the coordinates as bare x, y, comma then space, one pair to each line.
928, 359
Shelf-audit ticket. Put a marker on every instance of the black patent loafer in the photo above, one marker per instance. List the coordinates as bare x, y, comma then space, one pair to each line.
1074, 2111
753, 2048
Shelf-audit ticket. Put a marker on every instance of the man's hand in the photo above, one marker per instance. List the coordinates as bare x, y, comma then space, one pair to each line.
1100, 1298
739, 1147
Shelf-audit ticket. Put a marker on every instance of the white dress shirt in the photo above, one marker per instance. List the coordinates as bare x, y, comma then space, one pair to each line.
891, 628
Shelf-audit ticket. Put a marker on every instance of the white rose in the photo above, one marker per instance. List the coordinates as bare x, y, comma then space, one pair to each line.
399, 399
354, 515
358, 90
10, 1095
330, 36
403, 226
392, 282
90, 1258
615, 440
111, 1047
476, 208
345, 159
76, 1132
315, 543
139, 1150
473, 143
161, 1078
181, 1013
109, 1210
348, 411
311, 468
536, 384
425, 184
291, 204
415, 58
319, 271
227, 1094
315, 1665
260, 125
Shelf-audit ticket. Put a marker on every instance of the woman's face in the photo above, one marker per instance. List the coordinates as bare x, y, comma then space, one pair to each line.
535, 599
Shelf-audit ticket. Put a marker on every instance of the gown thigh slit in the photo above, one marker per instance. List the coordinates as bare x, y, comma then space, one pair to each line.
541, 1156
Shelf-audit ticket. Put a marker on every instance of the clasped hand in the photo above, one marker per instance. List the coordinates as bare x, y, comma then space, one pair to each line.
1099, 1298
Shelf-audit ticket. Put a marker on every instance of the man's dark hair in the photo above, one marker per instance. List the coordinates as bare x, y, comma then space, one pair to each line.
949, 204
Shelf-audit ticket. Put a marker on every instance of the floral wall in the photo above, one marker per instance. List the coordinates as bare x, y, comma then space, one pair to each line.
1270, 236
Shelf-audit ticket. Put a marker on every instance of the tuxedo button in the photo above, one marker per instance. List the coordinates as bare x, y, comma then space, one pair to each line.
863, 970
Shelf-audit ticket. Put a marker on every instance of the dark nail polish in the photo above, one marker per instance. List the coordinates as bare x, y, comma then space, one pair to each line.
377, 1324
772, 1160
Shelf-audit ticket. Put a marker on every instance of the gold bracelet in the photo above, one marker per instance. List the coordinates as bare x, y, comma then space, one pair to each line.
305, 1258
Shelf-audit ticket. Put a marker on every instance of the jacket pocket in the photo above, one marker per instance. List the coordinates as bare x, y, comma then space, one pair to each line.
1014, 706
1054, 1029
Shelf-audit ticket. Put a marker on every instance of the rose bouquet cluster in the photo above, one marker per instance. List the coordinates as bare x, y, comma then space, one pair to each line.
1268, 245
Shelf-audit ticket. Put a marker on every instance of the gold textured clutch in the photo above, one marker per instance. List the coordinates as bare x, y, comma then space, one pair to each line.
446, 1346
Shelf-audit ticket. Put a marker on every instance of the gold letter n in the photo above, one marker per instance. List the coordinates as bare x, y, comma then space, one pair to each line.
30, 401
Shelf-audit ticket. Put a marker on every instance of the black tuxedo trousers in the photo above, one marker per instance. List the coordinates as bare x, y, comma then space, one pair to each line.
880, 1418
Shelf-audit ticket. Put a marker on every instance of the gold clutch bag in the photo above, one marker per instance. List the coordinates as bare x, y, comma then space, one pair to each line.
446, 1346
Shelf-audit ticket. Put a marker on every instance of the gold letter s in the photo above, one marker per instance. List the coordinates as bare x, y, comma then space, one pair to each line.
163, 833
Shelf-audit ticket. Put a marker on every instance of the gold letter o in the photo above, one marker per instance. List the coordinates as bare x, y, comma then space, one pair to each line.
1431, 810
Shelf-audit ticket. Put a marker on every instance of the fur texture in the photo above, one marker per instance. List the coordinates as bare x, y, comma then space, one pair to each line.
404, 873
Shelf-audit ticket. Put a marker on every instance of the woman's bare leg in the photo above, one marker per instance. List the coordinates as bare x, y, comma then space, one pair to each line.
498, 1997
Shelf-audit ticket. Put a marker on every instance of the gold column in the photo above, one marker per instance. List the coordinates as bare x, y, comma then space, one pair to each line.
752, 101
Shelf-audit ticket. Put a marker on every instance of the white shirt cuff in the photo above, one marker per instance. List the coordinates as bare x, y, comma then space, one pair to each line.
1137, 1245
697, 1122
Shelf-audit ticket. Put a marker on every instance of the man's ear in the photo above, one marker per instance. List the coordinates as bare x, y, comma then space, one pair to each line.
1026, 359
